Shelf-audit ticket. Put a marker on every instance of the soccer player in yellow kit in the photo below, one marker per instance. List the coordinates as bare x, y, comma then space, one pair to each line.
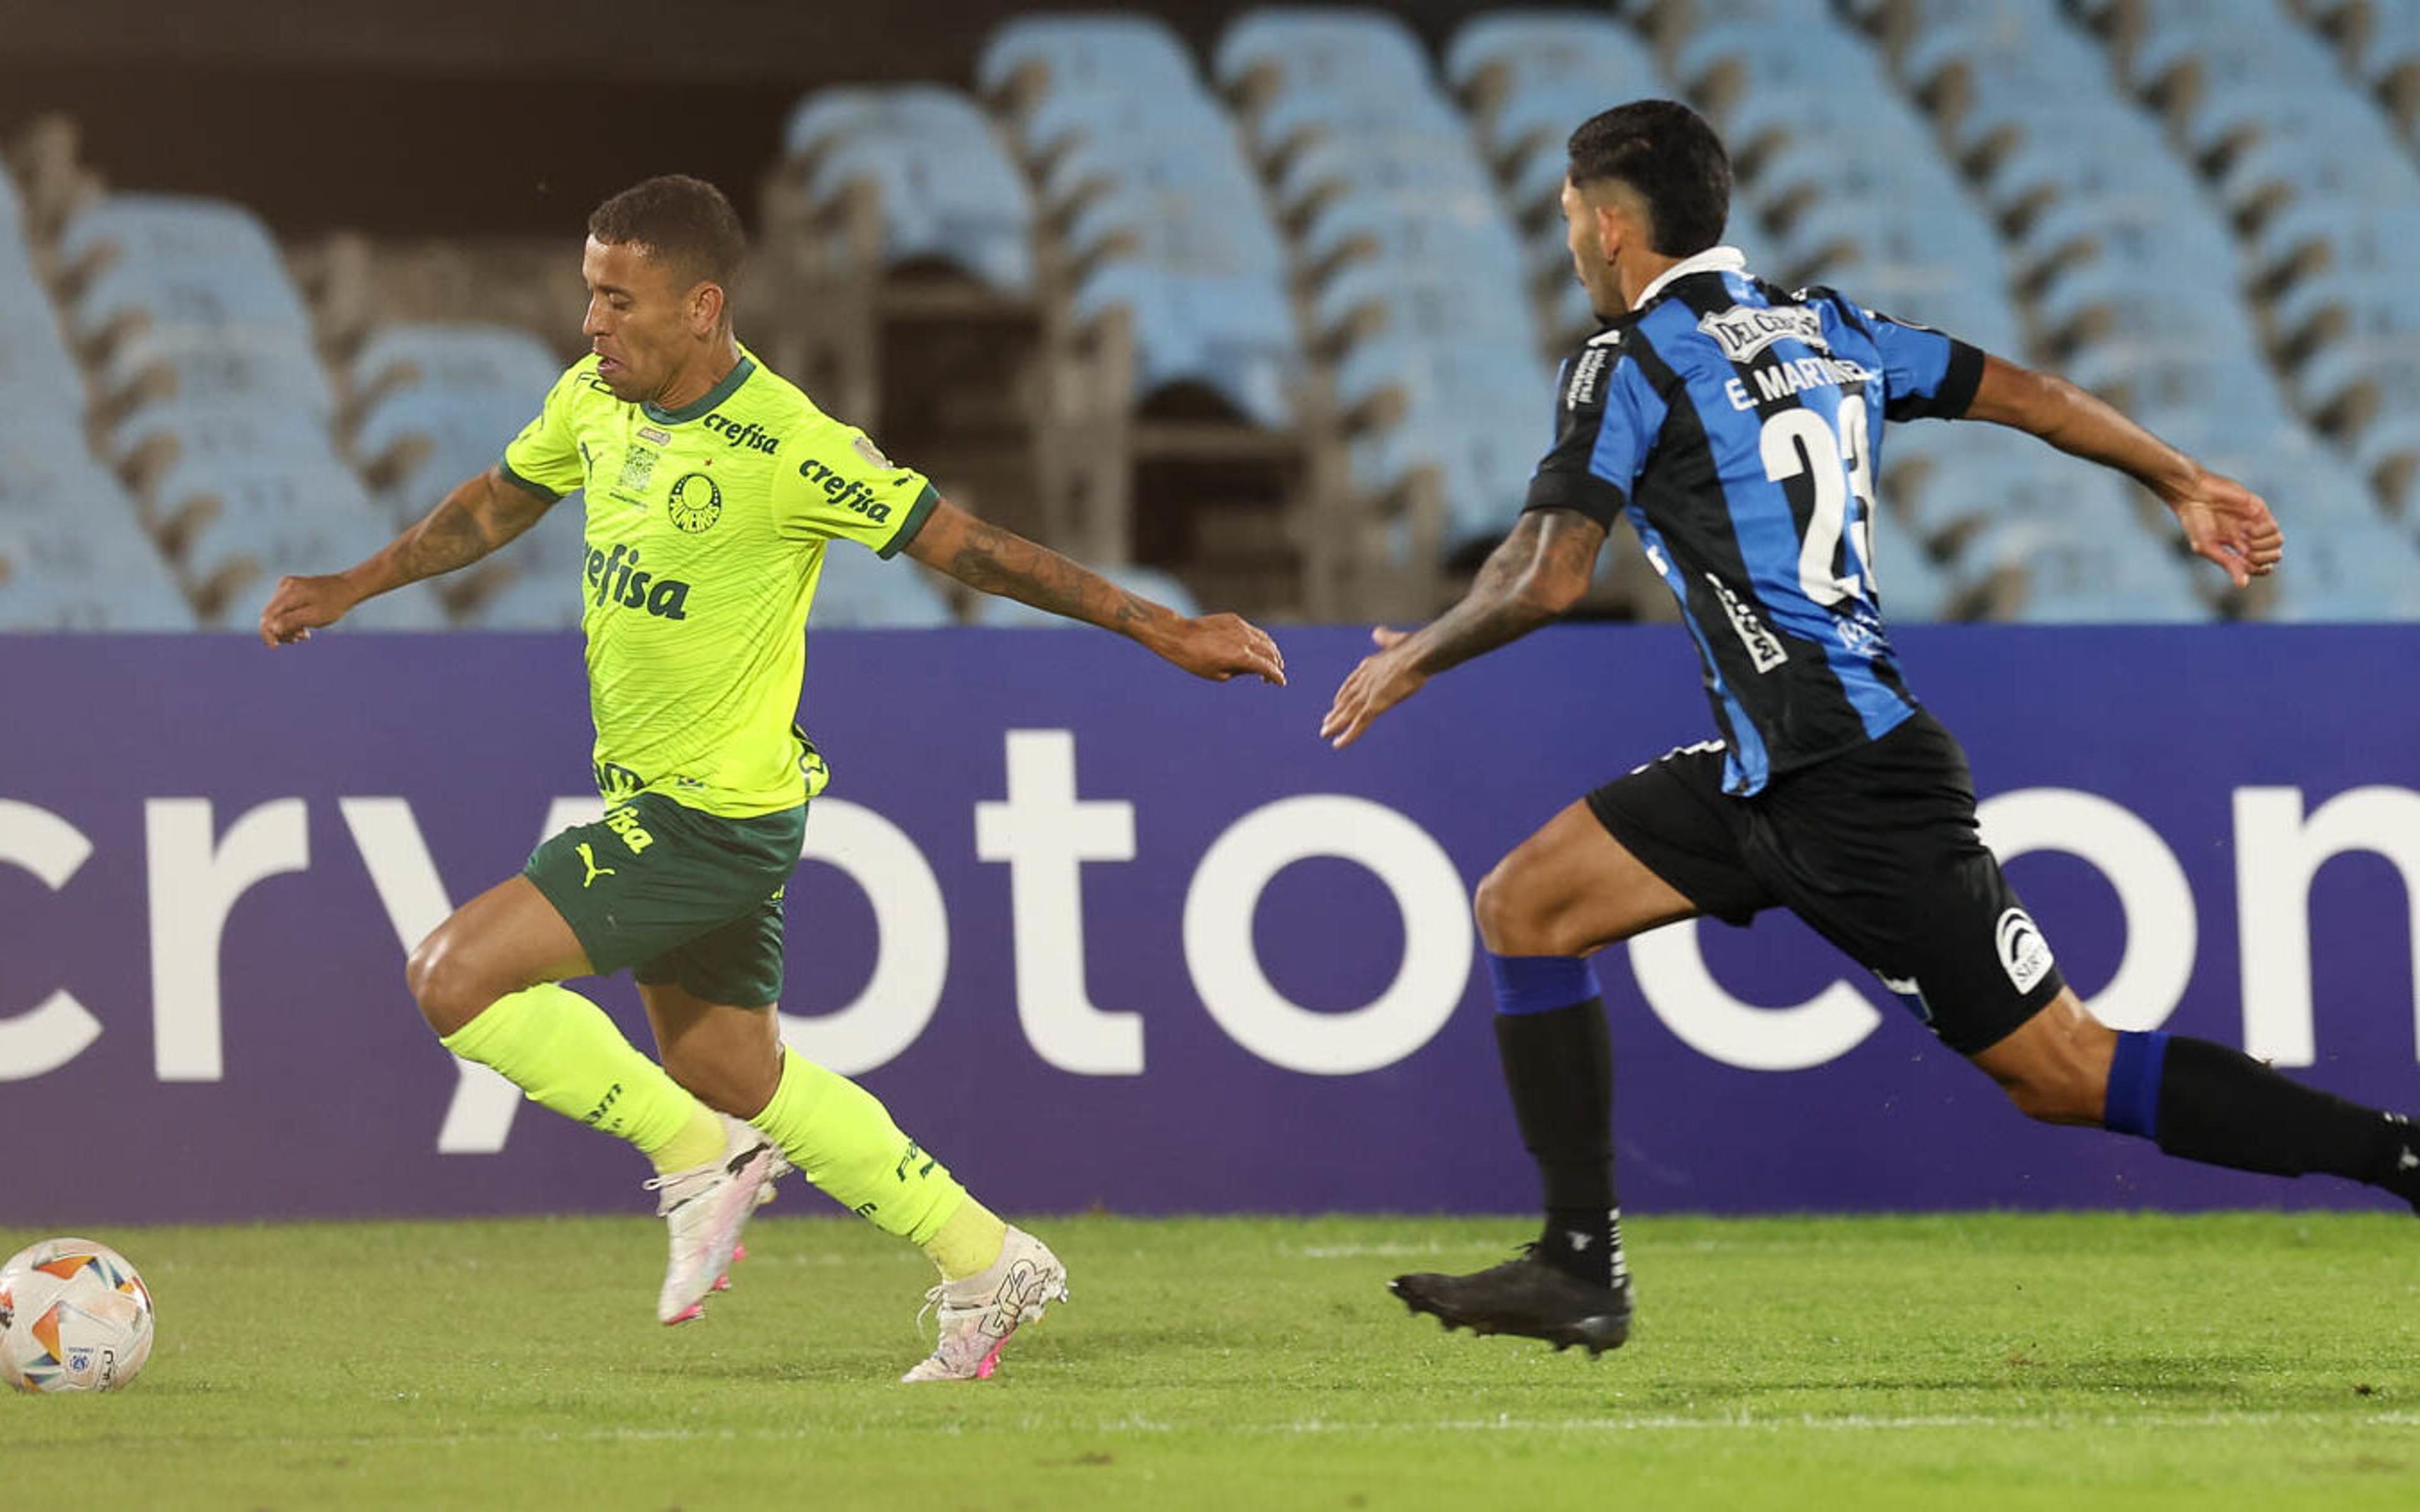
713, 489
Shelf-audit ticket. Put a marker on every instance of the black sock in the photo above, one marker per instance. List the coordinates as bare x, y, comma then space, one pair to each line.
1558, 1065
2224, 1108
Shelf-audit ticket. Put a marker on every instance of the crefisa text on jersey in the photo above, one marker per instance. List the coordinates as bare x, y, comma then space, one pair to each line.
751, 435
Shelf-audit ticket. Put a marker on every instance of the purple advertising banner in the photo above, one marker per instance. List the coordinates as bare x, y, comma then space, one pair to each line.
1100, 933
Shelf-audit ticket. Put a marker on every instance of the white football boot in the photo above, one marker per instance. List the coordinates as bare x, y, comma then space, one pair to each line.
979, 1312
706, 1207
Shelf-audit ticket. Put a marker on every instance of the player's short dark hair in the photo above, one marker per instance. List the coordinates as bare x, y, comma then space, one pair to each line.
681, 221
1671, 158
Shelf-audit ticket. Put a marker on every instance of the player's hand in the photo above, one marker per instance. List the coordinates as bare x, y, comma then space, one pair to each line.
1222, 646
302, 605
1382, 681
2229, 524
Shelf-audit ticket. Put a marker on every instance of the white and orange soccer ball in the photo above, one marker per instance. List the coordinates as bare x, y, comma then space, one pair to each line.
73, 1317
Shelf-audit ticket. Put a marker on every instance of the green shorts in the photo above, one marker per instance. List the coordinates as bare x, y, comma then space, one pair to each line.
677, 895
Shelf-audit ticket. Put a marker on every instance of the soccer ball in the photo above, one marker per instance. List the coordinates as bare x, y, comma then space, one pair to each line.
73, 1317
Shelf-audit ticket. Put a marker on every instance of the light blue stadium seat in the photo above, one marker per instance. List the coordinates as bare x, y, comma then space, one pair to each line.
1089, 54
39, 383
1541, 117
2349, 304
1404, 164
2329, 169
2394, 44
40, 601
2254, 44
559, 540
2122, 299
1149, 582
1483, 463
2066, 169
1903, 177
1234, 336
456, 356
1427, 301
2369, 373
2010, 97
1796, 116
1947, 297
1360, 110
928, 114
862, 591
1834, 241
961, 202
1980, 474
2391, 444
2144, 377
1318, 47
258, 364
1465, 231
2376, 241
2104, 576
2346, 570
1180, 231
1071, 138
280, 514
1203, 157
1440, 373
79, 558
1808, 58
1543, 47
2143, 231
1914, 589
166, 228
213, 427
204, 292
454, 420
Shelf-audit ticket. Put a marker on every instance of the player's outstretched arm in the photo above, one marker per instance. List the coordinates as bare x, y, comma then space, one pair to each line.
984, 557
2222, 520
1541, 570
475, 519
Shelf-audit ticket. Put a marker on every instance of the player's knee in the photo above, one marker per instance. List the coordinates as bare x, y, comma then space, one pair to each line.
449, 992
738, 1086
1490, 906
1510, 918
1509, 915
2062, 1087
2064, 1100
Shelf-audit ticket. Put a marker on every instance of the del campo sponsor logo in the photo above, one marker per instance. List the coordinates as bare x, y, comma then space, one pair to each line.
1746, 329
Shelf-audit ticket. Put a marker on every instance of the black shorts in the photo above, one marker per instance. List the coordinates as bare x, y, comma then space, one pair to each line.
1877, 849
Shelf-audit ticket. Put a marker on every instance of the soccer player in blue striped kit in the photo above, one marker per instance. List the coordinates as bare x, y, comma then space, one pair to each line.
1737, 427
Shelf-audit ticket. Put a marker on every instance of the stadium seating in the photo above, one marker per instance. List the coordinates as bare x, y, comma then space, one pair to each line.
1334, 235
947, 190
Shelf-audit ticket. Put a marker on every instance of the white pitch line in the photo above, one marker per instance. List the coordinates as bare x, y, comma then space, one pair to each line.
1314, 1426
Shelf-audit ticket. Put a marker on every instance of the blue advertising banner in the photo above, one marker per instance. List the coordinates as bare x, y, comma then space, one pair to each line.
1100, 933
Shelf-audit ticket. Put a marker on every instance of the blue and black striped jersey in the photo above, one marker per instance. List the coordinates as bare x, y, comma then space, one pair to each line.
1739, 428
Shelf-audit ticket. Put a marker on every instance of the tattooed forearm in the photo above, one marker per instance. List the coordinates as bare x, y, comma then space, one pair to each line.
1526, 582
994, 561
470, 522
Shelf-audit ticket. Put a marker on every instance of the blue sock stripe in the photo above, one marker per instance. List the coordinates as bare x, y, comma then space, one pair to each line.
2133, 1106
1539, 984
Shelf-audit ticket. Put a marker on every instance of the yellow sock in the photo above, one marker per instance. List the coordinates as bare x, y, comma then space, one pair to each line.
700, 1140
968, 1240
563, 1052
841, 1139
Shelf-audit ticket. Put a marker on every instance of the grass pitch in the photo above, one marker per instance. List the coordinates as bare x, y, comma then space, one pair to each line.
2001, 1361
